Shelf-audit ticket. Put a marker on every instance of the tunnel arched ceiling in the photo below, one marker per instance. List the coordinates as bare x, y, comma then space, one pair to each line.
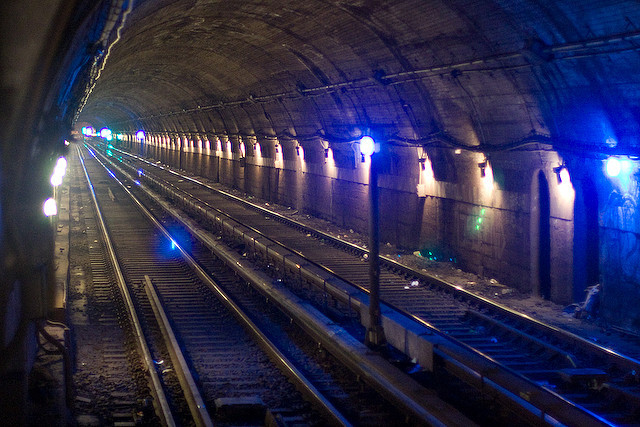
480, 73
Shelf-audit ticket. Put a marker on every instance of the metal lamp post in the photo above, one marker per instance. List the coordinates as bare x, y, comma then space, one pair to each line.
375, 333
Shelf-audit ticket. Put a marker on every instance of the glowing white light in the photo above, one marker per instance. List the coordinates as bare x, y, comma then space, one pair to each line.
106, 133
367, 145
88, 131
59, 171
56, 180
487, 179
140, 135
564, 175
61, 164
626, 166
66, 143
49, 207
613, 167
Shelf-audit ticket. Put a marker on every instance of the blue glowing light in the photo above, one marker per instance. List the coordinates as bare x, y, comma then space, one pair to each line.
621, 170
613, 167
173, 244
140, 172
367, 145
137, 182
140, 135
111, 173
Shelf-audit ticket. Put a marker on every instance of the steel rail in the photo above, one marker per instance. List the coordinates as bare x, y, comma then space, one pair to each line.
160, 400
366, 364
272, 350
525, 386
192, 394
485, 366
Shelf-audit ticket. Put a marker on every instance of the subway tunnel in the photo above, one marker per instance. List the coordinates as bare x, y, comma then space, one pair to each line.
506, 133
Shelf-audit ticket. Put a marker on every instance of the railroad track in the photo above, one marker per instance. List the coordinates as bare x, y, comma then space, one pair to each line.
531, 366
174, 297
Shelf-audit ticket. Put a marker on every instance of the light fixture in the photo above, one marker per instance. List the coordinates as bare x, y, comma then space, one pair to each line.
106, 134
367, 145
88, 131
49, 207
561, 172
613, 167
61, 165
458, 151
483, 166
58, 172
140, 135
55, 180
422, 158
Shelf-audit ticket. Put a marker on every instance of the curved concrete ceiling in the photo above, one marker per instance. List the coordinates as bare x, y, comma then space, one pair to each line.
479, 73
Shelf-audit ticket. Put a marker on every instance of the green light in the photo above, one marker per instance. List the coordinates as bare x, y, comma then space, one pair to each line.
479, 220
477, 227
482, 211
109, 153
